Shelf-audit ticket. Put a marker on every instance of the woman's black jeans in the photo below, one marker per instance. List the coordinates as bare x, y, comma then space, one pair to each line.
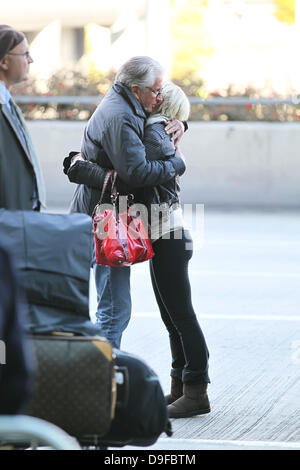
169, 275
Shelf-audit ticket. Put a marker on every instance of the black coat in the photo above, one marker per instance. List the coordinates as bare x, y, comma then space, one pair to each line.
17, 177
113, 138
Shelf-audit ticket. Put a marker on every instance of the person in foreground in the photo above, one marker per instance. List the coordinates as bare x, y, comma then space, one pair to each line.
169, 267
21, 180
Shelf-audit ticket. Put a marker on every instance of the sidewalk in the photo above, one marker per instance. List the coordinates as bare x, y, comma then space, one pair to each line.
245, 285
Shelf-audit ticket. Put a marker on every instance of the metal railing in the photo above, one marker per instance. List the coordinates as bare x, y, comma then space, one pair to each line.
58, 99
88, 100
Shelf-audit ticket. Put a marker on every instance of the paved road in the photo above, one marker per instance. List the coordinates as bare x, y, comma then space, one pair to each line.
246, 292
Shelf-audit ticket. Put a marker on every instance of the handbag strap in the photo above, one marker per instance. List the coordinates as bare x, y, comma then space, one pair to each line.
113, 192
110, 174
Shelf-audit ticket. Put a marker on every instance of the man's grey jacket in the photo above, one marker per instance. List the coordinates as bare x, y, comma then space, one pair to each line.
113, 138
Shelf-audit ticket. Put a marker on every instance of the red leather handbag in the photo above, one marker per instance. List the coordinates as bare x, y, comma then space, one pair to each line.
121, 238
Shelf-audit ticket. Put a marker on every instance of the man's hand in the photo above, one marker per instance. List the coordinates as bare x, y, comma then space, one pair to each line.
179, 154
176, 128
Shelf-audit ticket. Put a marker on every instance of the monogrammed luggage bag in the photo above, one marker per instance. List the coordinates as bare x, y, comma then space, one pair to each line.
75, 385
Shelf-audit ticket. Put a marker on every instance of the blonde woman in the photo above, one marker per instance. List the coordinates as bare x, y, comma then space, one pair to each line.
169, 267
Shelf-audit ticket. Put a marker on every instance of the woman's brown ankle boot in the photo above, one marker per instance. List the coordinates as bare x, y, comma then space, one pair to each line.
194, 401
176, 390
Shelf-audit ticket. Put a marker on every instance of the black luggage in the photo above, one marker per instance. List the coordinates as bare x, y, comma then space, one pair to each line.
144, 417
53, 257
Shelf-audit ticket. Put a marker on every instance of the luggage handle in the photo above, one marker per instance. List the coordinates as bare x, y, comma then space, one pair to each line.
122, 380
61, 335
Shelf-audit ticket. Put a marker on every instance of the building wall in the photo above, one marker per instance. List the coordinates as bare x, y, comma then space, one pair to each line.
119, 30
228, 164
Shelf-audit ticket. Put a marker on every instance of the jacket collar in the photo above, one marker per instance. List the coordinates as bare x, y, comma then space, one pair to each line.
152, 119
123, 90
4, 97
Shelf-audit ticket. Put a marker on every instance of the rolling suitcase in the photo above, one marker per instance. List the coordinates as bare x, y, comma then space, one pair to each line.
75, 385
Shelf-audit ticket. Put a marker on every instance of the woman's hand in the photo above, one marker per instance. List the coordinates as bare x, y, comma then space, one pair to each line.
176, 128
76, 157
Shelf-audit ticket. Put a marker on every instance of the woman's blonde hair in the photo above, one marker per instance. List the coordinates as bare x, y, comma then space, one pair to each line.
175, 103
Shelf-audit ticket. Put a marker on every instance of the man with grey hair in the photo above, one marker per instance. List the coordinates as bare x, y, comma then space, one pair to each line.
113, 138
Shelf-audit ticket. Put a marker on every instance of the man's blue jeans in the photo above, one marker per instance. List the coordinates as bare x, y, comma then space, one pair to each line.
114, 301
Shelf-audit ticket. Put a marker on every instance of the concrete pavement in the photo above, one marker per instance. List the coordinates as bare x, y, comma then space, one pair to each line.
245, 285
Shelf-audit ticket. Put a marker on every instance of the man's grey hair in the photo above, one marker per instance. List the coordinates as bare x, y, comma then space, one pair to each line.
139, 70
